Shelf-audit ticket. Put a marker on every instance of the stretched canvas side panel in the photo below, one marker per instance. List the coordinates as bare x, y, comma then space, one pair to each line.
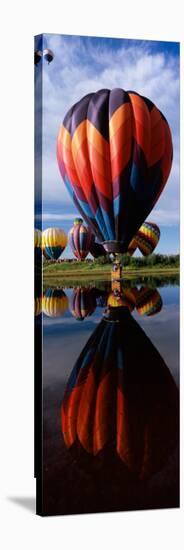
38, 83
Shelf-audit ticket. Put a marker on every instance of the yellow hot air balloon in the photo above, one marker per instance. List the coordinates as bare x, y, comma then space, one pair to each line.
37, 305
37, 238
37, 249
54, 241
55, 302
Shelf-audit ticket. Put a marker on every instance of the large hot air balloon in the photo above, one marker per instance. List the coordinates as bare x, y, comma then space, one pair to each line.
83, 302
80, 239
55, 302
121, 399
54, 241
114, 153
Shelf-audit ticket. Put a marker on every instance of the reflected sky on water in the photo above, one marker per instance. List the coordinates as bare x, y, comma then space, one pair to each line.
70, 318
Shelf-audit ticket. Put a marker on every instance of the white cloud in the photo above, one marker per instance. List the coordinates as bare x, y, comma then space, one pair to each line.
60, 217
80, 67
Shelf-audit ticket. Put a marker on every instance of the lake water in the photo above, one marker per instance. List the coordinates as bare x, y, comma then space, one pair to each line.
110, 398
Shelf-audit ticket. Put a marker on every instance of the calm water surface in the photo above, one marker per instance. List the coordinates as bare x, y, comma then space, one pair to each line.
110, 400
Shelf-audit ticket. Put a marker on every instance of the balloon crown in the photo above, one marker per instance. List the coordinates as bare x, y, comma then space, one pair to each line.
78, 221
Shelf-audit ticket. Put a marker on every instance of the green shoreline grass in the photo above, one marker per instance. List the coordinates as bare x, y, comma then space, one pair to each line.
69, 273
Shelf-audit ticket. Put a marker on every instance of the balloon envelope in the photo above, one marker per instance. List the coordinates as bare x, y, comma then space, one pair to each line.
148, 301
80, 239
121, 395
97, 250
54, 241
114, 152
147, 238
37, 57
83, 302
55, 302
48, 55
38, 249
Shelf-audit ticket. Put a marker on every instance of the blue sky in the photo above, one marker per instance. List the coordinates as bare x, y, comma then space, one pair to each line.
82, 65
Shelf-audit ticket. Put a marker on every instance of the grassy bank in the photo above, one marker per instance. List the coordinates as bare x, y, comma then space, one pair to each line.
68, 273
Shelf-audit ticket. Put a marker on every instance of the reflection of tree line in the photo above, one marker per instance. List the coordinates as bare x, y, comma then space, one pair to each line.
84, 300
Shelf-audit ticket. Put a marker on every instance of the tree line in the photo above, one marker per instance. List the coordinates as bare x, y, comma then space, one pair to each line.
162, 260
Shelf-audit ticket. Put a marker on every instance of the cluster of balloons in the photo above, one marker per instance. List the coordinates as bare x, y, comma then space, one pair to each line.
84, 301
82, 241
51, 243
47, 55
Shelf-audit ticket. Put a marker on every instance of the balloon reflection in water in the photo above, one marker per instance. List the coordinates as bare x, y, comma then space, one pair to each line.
37, 305
55, 302
124, 297
148, 302
83, 302
121, 397
37, 248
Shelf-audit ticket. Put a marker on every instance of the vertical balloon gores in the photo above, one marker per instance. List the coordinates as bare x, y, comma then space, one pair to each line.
114, 152
54, 241
80, 239
121, 396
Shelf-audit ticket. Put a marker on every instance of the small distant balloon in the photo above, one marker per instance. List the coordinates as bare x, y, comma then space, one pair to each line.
147, 238
83, 303
148, 302
54, 242
37, 57
48, 55
37, 248
97, 250
55, 302
80, 239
